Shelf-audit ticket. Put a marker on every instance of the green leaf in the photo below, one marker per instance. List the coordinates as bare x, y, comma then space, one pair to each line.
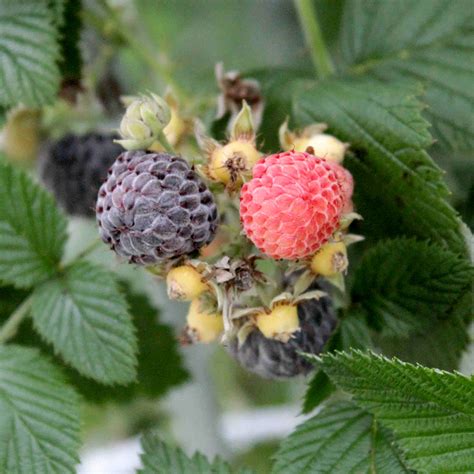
440, 346
57, 8
319, 389
343, 439
431, 412
399, 190
159, 458
10, 299
39, 415
32, 230
355, 331
84, 315
160, 366
404, 285
430, 41
28, 53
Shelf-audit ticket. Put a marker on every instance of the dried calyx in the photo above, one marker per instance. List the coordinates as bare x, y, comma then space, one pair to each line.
234, 91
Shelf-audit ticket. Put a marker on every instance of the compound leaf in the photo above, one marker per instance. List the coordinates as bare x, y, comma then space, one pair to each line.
403, 285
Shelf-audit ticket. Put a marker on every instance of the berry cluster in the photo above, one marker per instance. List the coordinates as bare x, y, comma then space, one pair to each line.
255, 243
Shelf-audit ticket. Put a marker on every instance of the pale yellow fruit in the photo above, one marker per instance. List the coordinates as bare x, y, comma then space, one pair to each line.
280, 323
203, 326
185, 283
324, 146
21, 135
228, 162
330, 259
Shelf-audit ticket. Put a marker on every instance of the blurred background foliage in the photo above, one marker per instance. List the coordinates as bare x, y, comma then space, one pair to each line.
135, 46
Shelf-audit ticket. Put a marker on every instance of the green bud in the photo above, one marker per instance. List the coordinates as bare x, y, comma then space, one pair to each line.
143, 121
242, 126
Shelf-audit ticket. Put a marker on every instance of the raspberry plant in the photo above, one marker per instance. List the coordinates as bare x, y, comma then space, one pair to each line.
245, 203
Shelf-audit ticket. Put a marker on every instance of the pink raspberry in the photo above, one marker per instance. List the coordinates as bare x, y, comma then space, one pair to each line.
292, 205
347, 184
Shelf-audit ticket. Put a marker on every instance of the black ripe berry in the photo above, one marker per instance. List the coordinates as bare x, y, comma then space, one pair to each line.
273, 359
74, 167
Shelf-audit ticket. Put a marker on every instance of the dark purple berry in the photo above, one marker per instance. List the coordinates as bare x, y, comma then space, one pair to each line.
74, 167
154, 207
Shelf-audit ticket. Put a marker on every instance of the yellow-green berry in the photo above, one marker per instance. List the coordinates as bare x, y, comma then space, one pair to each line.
185, 283
324, 146
227, 163
330, 259
203, 325
280, 323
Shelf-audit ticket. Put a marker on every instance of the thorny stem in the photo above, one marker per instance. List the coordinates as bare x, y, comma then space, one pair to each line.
314, 39
9, 329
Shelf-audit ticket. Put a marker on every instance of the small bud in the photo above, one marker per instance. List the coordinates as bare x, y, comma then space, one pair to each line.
228, 163
20, 139
280, 323
324, 146
143, 121
203, 325
330, 259
286, 137
312, 140
177, 127
185, 283
242, 127
295, 140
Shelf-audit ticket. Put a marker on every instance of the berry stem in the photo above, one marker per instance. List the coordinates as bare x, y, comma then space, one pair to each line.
9, 329
165, 143
314, 39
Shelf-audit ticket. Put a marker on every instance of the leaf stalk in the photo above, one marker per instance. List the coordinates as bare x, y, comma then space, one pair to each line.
10, 328
314, 38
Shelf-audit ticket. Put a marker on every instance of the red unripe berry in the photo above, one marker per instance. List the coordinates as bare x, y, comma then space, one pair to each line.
292, 205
